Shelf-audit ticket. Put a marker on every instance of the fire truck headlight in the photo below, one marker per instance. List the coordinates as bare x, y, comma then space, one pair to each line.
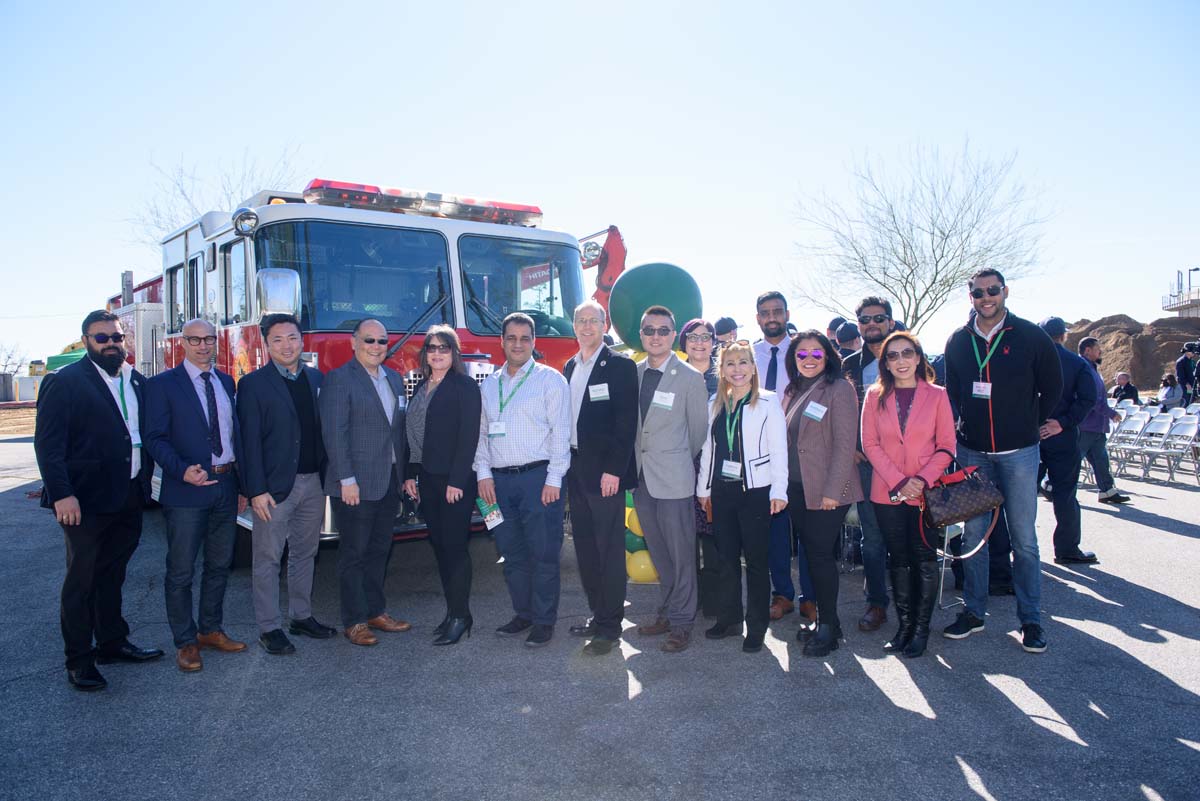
245, 221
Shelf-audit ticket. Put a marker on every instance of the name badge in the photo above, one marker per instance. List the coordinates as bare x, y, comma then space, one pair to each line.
598, 392
981, 389
663, 400
815, 411
496, 429
731, 469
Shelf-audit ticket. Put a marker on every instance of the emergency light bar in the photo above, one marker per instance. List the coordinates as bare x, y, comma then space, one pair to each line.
409, 201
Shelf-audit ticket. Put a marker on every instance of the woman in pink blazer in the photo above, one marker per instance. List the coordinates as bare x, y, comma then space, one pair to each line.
908, 436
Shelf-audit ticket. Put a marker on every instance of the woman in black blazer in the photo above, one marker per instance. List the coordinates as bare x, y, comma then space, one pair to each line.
443, 430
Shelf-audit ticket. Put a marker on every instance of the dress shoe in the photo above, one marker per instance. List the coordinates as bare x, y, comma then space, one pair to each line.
780, 606
721, 631
514, 627
874, 617
678, 640
599, 646
87, 678
660, 626
188, 659
311, 627
753, 643
359, 634
808, 611
275, 642
1077, 558
386, 622
1113, 496
822, 643
585, 629
127, 652
455, 629
539, 636
219, 641
440, 628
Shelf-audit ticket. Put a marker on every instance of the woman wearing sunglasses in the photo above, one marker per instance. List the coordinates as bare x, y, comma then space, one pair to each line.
743, 480
908, 436
443, 430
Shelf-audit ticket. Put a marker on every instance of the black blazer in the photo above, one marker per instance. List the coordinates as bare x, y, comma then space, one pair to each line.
451, 431
271, 431
607, 429
82, 445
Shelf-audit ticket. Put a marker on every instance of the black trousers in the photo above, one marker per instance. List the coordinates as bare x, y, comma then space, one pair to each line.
98, 551
449, 532
900, 524
365, 543
598, 531
1061, 458
742, 527
818, 530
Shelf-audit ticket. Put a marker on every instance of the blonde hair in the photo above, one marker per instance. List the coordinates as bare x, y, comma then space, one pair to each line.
723, 388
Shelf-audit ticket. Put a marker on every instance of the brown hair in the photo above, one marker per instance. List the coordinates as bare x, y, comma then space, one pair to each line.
449, 337
887, 381
723, 388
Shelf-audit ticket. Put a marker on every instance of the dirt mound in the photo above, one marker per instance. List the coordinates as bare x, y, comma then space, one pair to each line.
1144, 351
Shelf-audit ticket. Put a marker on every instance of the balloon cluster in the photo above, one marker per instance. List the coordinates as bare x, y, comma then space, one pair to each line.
637, 558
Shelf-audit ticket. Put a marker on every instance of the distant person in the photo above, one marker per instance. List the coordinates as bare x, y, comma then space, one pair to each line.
848, 339
1125, 390
831, 329
726, 330
96, 476
697, 339
1170, 394
1093, 431
1185, 371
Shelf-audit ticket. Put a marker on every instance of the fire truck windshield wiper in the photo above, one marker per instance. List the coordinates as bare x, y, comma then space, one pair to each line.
487, 314
418, 325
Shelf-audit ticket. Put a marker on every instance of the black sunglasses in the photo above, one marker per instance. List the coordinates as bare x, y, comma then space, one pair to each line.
873, 318
437, 348
992, 291
104, 338
662, 331
374, 341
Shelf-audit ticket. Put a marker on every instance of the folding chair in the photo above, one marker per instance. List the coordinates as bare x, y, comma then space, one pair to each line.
1125, 437
850, 540
1177, 446
1177, 412
948, 533
1193, 408
1150, 440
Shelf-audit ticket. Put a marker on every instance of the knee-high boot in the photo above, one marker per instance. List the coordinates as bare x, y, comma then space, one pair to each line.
904, 580
926, 596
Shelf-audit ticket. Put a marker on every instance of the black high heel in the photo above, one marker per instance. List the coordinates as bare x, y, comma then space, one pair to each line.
456, 628
441, 627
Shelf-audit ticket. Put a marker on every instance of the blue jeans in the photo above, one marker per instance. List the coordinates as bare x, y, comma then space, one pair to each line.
189, 528
874, 547
530, 540
1016, 476
779, 560
1093, 446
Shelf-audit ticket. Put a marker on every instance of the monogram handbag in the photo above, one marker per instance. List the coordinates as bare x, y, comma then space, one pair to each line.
957, 497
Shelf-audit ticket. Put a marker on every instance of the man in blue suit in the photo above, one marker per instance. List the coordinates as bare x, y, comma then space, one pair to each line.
191, 430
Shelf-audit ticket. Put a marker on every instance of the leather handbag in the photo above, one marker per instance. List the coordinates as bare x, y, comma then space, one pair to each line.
956, 497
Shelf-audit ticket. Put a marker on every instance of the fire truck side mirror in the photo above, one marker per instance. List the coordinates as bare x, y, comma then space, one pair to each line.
277, 291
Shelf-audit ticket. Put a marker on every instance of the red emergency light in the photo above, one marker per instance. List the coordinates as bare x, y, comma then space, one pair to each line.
410, 201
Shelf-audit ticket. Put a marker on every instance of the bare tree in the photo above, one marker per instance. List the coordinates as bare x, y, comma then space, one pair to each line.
12, 359
183, 191
914, 232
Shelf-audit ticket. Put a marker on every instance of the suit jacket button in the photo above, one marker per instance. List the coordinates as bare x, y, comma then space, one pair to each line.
127, 458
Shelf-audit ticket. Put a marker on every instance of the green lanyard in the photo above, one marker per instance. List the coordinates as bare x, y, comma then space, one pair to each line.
984, 362
731, 423
124, 408
500, 380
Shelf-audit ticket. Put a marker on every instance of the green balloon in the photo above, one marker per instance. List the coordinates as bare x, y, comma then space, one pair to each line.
628, 499
634, 543
648, 285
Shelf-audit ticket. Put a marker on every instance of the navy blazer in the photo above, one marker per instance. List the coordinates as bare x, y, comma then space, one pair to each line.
607, 429
176, 433
451, 431
358, 440
270, 431
81, 442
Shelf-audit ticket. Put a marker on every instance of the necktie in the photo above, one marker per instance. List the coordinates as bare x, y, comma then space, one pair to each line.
214, 424
772, 369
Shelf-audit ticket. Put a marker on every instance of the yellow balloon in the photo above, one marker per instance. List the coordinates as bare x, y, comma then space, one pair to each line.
637, 355
640, 568
632, 523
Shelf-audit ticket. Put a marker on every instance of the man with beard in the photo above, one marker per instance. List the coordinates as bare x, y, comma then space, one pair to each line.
1093, 431
874, 315
89, 451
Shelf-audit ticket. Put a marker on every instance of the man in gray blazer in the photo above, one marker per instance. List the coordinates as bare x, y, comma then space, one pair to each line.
362, 424
673, 412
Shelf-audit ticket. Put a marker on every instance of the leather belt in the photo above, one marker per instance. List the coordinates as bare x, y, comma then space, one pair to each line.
218, 469
522, 468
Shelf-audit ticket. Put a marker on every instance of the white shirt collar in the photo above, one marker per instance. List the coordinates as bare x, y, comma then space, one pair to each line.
999, 326
193, 371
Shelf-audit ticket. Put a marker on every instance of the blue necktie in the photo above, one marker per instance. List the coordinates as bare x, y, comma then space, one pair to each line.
214, 424
772, 369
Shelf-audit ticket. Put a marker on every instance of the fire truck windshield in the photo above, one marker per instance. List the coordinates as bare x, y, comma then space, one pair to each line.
353, 272
501, 276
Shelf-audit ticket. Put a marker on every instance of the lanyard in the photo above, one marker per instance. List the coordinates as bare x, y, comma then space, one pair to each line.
124, 408
500, 382
731, 423
984, 362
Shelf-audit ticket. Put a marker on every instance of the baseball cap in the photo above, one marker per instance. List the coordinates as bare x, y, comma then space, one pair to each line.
1053, 326
847, 332
835, 323
725, 325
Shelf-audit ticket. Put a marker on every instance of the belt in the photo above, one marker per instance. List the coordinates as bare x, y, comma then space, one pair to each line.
223, 468
521, 468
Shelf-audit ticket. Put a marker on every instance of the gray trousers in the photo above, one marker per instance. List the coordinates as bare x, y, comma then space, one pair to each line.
295, 521
669, 527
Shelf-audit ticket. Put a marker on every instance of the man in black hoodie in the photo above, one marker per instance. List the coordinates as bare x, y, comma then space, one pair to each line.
1004, 378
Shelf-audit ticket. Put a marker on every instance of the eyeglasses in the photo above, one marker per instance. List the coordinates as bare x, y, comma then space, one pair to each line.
589, 321
873, 318
434, 348
208, 340
897, 355
817, 354
662, 331
700, 338
992, 291
105, 338
745, 343
373, 340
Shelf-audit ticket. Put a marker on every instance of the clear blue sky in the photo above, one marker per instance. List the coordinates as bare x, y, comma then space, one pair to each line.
692, 126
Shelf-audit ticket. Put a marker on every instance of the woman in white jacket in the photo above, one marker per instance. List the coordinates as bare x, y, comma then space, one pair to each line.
742, 481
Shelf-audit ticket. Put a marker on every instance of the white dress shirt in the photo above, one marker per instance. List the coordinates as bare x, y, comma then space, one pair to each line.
579, 380
536, 421
121, 387
224, 409
762, 360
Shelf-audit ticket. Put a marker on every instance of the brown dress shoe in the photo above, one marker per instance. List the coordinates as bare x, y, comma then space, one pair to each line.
808, 609
780, 606
678, 640
219, 641
386, 622
188, 659
359, 634
660, 626
875, 617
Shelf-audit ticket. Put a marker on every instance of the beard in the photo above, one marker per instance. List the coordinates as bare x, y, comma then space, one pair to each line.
1098, 360
108, 358
773, 329
873, 339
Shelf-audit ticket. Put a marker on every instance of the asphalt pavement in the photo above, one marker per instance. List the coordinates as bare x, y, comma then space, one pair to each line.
1110, 711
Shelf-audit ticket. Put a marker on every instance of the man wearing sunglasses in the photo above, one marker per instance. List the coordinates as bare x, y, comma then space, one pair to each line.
192, 431
1004, 380
874, 317
96, 478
